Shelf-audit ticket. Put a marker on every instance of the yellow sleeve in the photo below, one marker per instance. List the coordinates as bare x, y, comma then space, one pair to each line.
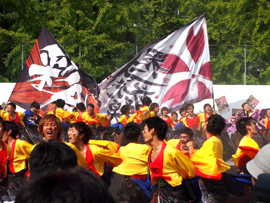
131, 118
185, 167
123, 119
103, 119
103, 155
5, 115
207, 164
25, 148
80, 157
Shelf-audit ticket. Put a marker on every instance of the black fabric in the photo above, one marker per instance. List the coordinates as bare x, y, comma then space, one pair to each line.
131, 192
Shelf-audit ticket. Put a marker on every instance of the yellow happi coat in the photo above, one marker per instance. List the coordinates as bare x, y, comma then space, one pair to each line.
208, 160
63, 115
171, 165
96, 157
18, 120
84, 117
246, 151
134, 158
20, 152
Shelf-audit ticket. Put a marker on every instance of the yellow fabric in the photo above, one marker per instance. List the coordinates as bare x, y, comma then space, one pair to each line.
2, 113
135, 159
105, 144
8, 157
51, 112
176, 166
209, 158
85, 118
202, 119
152, 114
63, 115
247, 142
80, 157
173, 142
265, 122
5, 116
132, 118
102, 156
21, 155
123, 120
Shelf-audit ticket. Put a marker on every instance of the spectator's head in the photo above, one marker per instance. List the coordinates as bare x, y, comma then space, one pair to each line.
182, 112
125, 109
11, 131
50, 127
79, 132
146, 101
185, 134
53, 105
11, 108
260, 164
69, 186
154, 107
207, 108
246, 106
132, 132
90, 108
34, 107
164, 111
154, 126
81, 107
60, 103
189, 108
214, 124
51, 156
174, 116
268, 112
138, 107
247, 126
74, 110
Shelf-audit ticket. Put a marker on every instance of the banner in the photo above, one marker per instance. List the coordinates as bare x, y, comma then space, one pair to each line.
173, 71
49, 74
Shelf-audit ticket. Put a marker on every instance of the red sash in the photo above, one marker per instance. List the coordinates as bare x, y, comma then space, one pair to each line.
89, 159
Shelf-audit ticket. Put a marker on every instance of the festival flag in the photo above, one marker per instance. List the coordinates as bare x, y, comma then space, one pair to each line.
173, 71
49, 74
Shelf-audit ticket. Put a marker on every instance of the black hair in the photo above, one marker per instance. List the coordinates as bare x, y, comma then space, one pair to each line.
244, 104
82, 128
152, 106
242, 124
181, 110
216, 124
3, 123
60, 103
13, 105
146, 101
186, 130
51, 156
174, 112
69, 186
138, 106
158, 124
188, 105
81, 106
74, 109
205, 105
132, 131
91, 105
14, 129
124, 109
35, 105
164, 109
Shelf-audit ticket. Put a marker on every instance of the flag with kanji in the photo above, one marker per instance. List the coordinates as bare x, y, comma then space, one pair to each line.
173, 71
49, 74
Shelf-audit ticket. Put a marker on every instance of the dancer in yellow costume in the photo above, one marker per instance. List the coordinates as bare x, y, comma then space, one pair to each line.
13, 116
247, 148
209, 163
169, 167
134, 167
50, 128
18, 166
79, 134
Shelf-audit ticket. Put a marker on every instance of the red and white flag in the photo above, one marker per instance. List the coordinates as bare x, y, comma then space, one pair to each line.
173, 71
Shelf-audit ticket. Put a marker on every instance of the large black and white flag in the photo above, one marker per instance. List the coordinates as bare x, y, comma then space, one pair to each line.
49, 74
173, 71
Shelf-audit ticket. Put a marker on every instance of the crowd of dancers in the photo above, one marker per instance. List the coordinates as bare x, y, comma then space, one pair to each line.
161, 158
